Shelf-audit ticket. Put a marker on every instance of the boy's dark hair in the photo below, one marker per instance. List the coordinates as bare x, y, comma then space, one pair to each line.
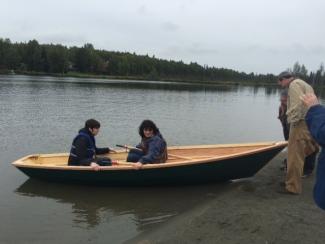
284, 93
147, 124
92, 123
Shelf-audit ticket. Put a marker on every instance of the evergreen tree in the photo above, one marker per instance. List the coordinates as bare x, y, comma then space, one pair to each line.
33, 56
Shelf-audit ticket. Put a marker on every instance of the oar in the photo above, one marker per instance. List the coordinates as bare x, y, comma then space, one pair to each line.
172, 155
128, 147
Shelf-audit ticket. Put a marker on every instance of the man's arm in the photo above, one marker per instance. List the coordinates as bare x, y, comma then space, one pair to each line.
295, 106
103, 150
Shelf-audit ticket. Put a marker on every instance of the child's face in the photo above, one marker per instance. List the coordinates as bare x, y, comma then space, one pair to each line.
94, 131
148, 132
283, 99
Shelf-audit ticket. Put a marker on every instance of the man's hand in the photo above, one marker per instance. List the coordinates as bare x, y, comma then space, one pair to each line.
309, 100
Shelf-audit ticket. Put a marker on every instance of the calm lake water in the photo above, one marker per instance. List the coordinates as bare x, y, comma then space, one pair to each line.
43, 114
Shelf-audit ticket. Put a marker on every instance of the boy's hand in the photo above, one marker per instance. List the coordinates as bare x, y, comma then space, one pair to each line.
137, 165
95, 166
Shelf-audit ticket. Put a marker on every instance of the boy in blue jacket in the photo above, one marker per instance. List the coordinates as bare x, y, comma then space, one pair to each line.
84, 150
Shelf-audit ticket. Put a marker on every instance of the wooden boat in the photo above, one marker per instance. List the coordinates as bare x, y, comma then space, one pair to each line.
185, 165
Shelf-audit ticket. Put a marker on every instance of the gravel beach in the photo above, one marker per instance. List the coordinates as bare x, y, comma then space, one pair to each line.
247, 211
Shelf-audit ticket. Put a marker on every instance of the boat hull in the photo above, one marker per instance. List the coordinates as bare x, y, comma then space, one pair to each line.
214, 171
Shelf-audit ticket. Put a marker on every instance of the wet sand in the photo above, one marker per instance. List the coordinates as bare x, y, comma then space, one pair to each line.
248, 211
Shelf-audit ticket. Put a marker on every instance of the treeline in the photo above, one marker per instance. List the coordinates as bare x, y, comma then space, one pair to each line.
315, 78
32, 57
59, 59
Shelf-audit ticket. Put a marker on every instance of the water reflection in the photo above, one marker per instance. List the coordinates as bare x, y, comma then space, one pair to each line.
67, 82
146, 206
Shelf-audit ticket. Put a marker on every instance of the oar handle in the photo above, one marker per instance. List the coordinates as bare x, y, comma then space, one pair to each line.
118, 145
128, 147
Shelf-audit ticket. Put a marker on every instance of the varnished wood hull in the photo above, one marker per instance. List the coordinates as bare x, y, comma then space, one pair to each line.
222, 168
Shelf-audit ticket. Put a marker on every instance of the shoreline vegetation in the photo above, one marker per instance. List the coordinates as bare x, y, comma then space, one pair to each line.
32, 58
138, 78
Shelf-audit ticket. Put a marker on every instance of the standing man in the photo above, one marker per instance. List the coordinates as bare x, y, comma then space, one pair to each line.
310, 160
300, 144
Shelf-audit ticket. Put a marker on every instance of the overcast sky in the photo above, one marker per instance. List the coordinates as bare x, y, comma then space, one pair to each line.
261, 36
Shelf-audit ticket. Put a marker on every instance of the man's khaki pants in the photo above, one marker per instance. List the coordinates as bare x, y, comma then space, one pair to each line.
300, 145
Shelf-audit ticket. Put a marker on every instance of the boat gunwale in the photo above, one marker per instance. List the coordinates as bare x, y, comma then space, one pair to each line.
127, 166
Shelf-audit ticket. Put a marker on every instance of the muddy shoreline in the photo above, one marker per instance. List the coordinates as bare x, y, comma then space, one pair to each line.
247, 211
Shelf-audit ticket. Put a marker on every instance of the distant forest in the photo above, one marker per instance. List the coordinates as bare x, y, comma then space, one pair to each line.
56, 59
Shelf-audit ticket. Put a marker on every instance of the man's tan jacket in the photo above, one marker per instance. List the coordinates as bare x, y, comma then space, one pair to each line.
296, 109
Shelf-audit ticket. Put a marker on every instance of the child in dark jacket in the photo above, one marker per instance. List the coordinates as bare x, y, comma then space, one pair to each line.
84, 150
151, 149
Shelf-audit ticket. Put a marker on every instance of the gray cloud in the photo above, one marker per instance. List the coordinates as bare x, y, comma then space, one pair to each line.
169, 26
250, 36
